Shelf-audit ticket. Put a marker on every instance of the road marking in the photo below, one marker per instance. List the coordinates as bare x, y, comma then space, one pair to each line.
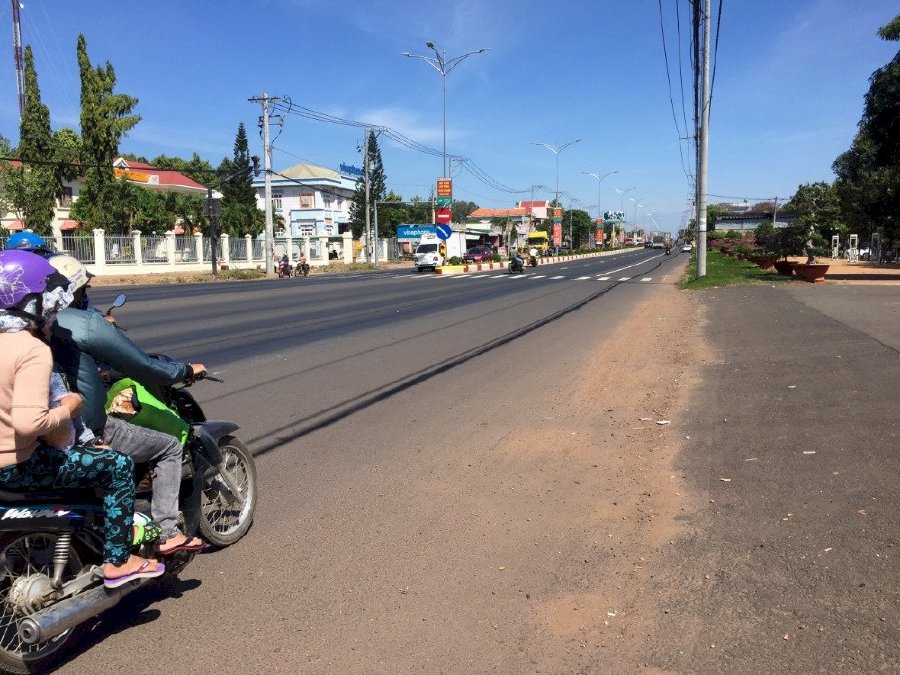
603, 279
582, 278
558, 277
537, 276
647, 279
625, 279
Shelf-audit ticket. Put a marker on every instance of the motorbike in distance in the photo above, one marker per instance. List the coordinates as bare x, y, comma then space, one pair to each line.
516, 264
301, 268
284, 269
532, 260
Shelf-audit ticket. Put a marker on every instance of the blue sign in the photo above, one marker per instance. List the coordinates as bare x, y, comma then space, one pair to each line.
350, 170
414, 232
443, 231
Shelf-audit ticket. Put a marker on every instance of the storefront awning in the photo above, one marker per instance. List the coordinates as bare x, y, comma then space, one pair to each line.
68, 225
14, 226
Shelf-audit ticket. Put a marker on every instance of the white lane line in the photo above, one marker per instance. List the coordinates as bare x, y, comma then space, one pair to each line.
647, 279
581, 278
625, 279
603, 279
537, 276
558, 277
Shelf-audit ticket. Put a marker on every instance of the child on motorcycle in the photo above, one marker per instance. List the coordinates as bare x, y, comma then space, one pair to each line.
82, 339
31, 293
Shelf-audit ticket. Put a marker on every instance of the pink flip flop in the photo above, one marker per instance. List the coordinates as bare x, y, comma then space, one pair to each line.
186, 545
145, 571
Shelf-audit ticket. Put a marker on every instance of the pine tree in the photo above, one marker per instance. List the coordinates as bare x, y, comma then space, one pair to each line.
239, 213
33, 186
105, 118
377, 188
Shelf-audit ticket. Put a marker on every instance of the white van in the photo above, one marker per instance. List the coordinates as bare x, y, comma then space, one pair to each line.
428, 254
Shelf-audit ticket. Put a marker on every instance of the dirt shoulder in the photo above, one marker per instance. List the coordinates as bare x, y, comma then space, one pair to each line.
636, 498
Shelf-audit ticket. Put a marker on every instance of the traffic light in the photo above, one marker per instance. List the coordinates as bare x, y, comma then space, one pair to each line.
442, 249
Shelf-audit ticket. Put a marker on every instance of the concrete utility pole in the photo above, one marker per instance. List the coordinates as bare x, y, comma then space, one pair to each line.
366, 173
703, 156
269, 247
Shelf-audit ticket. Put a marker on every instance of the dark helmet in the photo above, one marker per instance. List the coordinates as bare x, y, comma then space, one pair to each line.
28, 241
26, 276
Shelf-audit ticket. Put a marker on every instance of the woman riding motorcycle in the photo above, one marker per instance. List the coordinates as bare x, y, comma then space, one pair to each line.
31, 293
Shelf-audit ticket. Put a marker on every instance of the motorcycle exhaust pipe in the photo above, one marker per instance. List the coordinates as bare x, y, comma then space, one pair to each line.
56, 619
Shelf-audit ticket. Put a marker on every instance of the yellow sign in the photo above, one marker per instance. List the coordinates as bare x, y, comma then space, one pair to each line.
445, 187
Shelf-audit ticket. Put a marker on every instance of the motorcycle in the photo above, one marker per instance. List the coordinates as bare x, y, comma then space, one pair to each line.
284, 269
301, 269
516, 265
668, 251
532, 260
51, 541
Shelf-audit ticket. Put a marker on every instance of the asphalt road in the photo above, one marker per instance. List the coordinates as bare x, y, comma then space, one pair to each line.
369, 402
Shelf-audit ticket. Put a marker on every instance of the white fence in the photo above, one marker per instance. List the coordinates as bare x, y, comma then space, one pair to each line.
138, 254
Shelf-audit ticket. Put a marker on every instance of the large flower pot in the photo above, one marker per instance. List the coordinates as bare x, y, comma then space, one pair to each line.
764, 262
814, 274
784, 267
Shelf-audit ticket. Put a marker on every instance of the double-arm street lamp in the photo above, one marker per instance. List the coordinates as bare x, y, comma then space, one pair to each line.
599, 178
443, 65
556, 149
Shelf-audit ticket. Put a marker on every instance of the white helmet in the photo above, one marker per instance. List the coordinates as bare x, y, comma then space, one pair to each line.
72, 269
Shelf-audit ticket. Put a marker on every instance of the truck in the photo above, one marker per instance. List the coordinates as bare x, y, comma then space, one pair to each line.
432, 252
661, 240
538, 240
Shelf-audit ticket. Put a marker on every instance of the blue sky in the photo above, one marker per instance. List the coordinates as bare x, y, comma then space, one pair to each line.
790, 81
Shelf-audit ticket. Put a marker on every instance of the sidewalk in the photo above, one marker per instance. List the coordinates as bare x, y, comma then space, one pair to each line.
864, 272
791, 445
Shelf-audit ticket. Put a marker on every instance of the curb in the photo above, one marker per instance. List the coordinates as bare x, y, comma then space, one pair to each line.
450, 270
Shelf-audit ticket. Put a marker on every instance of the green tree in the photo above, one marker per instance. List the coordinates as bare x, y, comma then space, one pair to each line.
582, 228
239, 213
817, 210
868, 174
461, 210
33, 185
377, 183
105, 118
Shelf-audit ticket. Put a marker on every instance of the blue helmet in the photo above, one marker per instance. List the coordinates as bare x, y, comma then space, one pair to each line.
28, 241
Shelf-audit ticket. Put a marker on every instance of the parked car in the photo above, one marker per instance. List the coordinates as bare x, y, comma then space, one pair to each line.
478, 254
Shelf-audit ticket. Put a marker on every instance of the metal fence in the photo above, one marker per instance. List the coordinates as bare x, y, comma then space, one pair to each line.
153, 249
185, 249
258, 249
207, 249
237, 249
119, 249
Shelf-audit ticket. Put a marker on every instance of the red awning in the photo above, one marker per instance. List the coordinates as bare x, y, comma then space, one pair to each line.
14, 226
69, 225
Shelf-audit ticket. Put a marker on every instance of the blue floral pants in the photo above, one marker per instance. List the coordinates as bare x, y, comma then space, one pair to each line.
82, 467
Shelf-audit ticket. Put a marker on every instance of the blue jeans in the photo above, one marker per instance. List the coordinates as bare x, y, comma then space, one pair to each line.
163, 453
81, 467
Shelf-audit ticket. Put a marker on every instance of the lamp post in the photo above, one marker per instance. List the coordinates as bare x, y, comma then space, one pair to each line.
556, 149
443, 66
599, 180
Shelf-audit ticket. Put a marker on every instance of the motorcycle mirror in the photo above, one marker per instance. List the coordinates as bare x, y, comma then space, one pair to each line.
119, 300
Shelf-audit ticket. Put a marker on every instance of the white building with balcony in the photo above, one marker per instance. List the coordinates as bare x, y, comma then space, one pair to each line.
309, 200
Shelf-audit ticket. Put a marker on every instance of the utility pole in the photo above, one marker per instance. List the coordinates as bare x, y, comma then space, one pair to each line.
366, 172
703, 151
17, 55
269, 247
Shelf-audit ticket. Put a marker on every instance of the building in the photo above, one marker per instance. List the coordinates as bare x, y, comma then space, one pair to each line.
747, 222
310, 200
137, 173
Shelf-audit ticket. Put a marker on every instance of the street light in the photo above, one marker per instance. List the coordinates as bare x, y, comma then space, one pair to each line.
599, 180
556, 150
623, 193
440, 63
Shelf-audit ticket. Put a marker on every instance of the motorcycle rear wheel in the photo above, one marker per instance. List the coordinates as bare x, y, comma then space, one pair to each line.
221, 523
23, 554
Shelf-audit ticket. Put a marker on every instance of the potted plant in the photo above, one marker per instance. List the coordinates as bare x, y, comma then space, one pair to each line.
817, 206
788, 241
764, 237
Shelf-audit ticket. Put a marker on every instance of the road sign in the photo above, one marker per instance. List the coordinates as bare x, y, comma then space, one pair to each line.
443, 202
444, 216
445, 187
443, 231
